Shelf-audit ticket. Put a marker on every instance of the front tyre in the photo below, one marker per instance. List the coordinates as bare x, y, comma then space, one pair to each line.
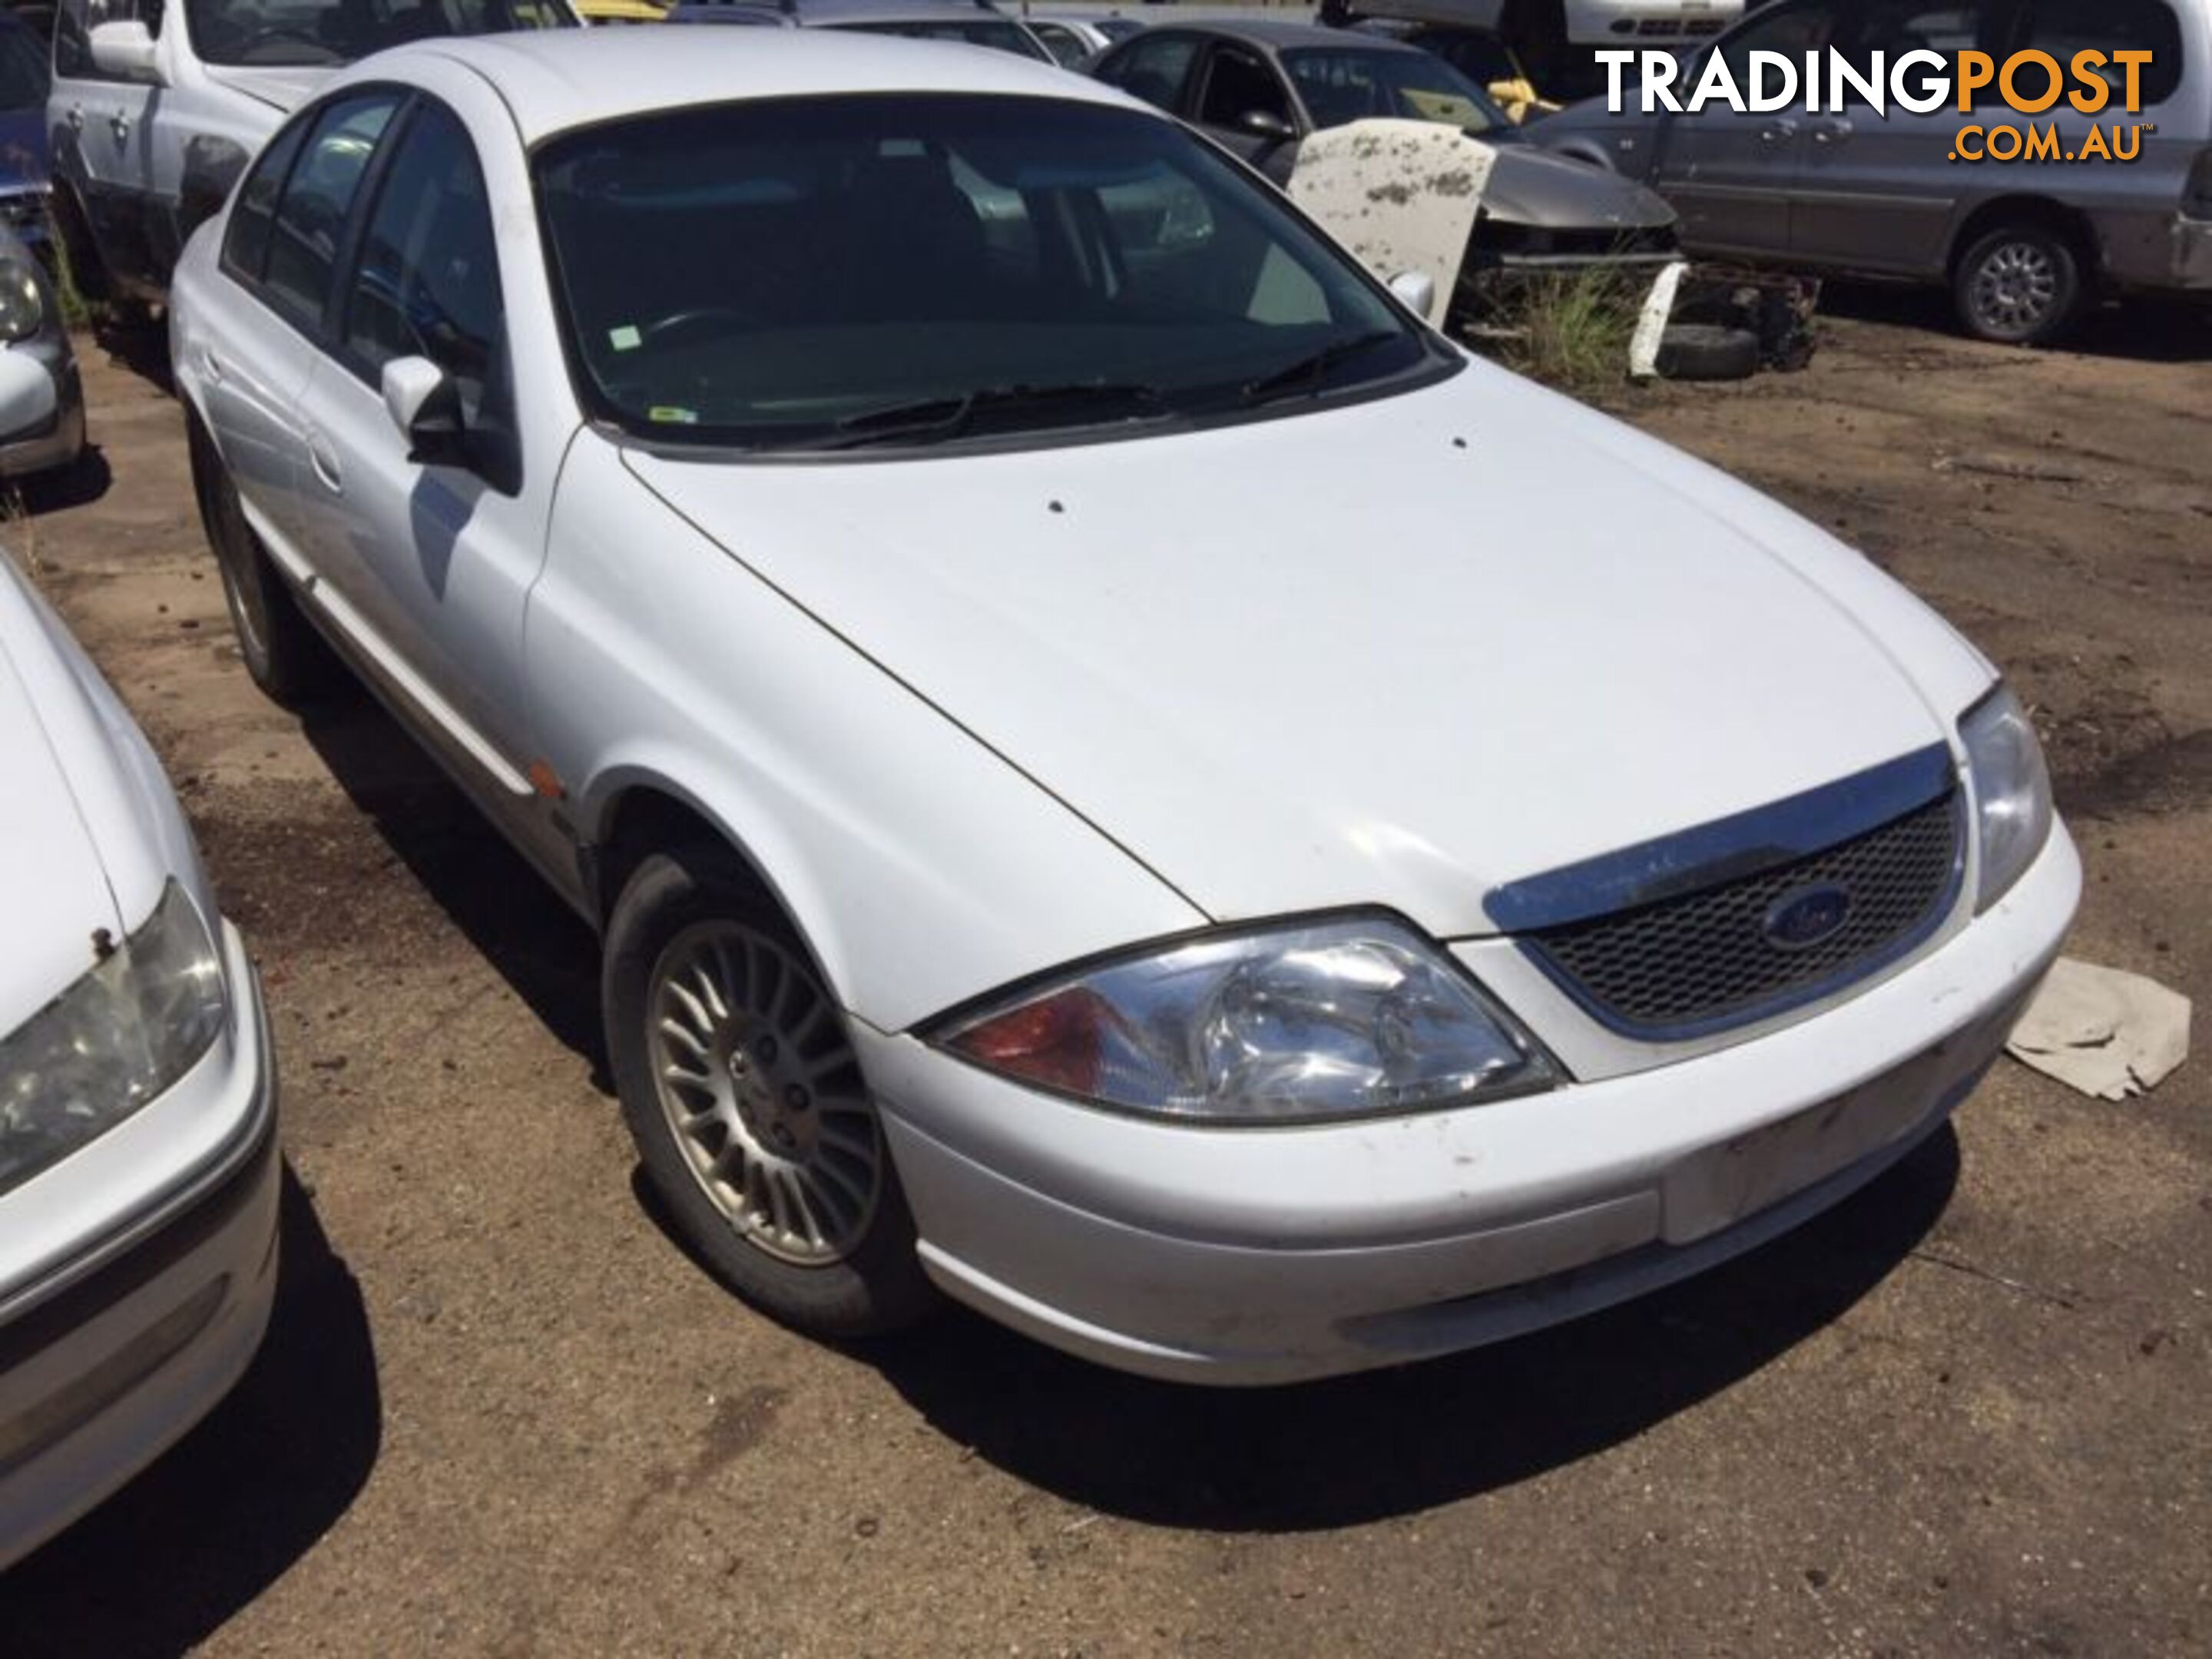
742, 1090
2021, 284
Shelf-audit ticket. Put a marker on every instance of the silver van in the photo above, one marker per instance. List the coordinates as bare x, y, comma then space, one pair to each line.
157, 105
2023, 245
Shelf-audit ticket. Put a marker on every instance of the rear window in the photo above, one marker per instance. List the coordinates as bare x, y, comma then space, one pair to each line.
2063, 27
1000, 33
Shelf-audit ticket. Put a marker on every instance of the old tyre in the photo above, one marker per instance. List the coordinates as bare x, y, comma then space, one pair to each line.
2021, 284
742, 1090
1704, 351
282, 653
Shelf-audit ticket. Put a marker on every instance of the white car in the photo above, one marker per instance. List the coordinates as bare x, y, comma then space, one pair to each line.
1083, 816
138, 1162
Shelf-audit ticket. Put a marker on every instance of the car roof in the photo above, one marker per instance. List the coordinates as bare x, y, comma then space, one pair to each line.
552, 80
841, 11
1270, 35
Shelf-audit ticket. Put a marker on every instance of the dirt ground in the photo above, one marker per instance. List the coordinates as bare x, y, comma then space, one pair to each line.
499, 1412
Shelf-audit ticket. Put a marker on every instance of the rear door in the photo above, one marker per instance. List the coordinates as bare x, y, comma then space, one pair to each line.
1879, 192
1731, 176
253, 356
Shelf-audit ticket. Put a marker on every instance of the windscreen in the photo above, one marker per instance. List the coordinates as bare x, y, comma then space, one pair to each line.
1342, 84
830, 270
22, 70
271, 33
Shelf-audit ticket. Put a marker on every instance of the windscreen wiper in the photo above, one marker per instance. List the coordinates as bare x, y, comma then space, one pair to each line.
930, 420
1305, 375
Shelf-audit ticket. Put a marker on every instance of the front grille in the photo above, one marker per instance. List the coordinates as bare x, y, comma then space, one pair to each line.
1694, 964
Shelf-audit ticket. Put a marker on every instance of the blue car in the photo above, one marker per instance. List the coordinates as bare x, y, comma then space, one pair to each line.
23, 79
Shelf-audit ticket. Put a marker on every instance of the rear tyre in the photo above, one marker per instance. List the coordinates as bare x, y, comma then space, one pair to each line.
742, 1090
2021, 284
282, 653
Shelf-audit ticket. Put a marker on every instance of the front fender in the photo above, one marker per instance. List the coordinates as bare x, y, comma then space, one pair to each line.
921, 868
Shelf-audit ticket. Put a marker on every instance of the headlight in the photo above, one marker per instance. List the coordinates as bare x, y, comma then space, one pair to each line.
2012, 791
22, 309
111, 1043
1344, 1019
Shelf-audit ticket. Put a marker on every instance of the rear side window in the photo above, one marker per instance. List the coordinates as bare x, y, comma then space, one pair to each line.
1154, 70
246, 242
311, 215
2063, 27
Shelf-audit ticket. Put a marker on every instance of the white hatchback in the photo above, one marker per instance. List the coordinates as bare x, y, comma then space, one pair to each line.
989, 611
139, 1160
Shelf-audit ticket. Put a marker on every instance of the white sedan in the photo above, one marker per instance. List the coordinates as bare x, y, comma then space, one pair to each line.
139, 1160
989, 611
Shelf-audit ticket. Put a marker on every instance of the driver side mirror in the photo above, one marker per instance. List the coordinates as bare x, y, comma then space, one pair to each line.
1266, 125
125, 50
425, 406
1416, 290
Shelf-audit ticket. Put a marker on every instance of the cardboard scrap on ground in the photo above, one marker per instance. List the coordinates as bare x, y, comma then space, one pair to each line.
2106, 1033
1401, 195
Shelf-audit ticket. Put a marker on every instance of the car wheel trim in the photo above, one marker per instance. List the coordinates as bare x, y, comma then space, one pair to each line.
2016, 287
763, 1094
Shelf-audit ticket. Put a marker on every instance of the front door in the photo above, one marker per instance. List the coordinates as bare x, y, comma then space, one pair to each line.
1878, 192
1732, 175
98, 133
437, 560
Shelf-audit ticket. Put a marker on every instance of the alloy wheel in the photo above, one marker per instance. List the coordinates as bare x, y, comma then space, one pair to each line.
763, 1093
2016, 287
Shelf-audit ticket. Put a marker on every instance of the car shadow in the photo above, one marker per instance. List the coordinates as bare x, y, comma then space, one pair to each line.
2138, 331
502, 904
81, 482
1393, 1442
141, 346
227, 1510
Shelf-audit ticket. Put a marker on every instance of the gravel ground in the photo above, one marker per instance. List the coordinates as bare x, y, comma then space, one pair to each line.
499, 1411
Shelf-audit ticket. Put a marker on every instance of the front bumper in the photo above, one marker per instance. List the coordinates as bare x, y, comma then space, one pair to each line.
41, 407
1273, 1256
114, 1350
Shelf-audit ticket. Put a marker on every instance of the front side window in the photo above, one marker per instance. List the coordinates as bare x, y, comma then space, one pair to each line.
311, 215
75, 23
427, 282
1793, 31
840, 272
1340, 85
274, 32
1238, 84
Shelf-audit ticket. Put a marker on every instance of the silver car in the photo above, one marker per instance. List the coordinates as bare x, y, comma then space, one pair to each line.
2023, 246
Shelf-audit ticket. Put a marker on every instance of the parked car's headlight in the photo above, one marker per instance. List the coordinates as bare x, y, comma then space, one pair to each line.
111, 1043
23, 309
2012, 791
1340, 1019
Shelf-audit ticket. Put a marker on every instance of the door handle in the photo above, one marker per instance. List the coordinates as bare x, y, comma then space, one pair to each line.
120, 123
1834, 132
210, 365
77, 116
1776, 132
325, 460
